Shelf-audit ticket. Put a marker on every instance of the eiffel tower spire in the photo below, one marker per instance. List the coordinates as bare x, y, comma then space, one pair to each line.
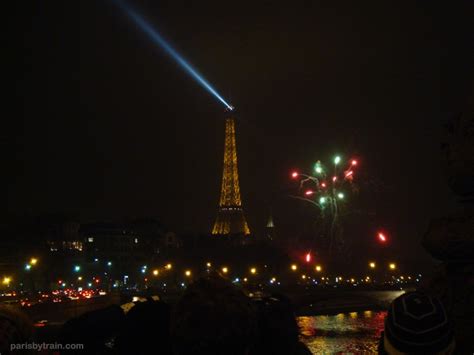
230, 216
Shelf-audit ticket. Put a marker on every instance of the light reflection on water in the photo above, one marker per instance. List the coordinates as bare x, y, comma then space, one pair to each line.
353, 333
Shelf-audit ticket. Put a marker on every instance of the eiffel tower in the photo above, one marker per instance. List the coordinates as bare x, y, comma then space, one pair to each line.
230, 216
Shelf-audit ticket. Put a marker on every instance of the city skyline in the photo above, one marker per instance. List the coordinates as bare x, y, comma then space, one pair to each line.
122, 140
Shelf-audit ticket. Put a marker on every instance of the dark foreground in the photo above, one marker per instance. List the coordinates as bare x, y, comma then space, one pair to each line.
331, 319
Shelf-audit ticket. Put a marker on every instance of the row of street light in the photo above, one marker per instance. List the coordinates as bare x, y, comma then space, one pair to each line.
188, 273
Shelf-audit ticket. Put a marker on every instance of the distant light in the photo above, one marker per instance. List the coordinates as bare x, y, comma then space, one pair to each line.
27, 266
323, 184
63, 285
334, 178
168, 266
225, 270
308, 257
80, 278
236, 279
208, 264
33, 261
155, 272
340, 195
143, 271
89, 284
6, 280
294, 267
96, 260
318, 268
187, 273
77, 268
109, 263
382, 237
392, 266
309, 192
294, 174
253, 270
372, 265
303, 276
322, 200
354, 162
349, 173
337, 159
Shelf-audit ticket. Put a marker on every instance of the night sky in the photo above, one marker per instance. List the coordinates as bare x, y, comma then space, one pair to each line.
109, 127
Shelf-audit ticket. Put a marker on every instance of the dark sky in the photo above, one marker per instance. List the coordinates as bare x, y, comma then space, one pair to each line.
108, 126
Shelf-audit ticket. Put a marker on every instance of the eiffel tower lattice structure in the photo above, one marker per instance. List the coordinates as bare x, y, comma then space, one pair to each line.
230, 216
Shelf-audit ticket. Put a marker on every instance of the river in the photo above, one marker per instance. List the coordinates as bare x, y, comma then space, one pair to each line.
354, 332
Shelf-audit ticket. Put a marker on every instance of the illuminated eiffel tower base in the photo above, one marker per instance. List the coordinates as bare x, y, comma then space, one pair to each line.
230, 216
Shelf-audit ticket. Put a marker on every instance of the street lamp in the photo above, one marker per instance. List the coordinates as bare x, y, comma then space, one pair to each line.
294, 267
33, 261
372, 265
318, 268
392, 266
155, 272
253, 271
225, 270
6, 280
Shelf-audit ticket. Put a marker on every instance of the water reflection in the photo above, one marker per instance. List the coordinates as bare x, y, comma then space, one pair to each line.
355, 332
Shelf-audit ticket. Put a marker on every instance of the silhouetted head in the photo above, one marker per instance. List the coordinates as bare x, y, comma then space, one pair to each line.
145, 330
92, 329
417, 324
277, 327
15, 328
213, 317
